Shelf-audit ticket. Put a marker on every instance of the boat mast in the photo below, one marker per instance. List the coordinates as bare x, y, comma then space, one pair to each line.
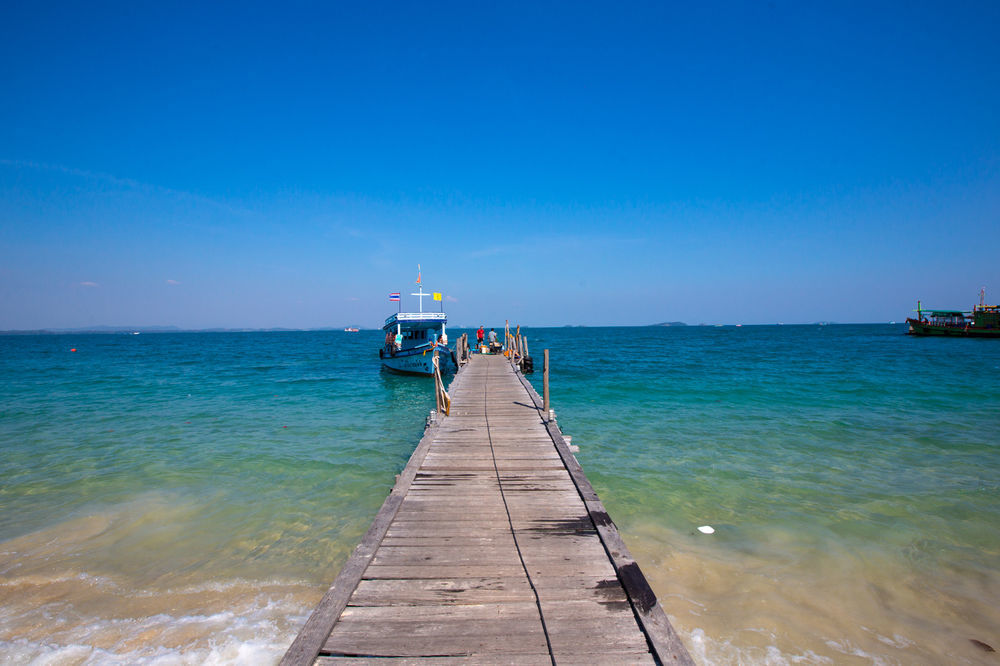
420, 289
421, 295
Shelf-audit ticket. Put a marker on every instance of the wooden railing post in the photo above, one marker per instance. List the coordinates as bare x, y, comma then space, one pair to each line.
545, 386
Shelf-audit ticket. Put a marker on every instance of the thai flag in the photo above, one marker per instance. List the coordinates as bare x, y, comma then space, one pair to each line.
394, 296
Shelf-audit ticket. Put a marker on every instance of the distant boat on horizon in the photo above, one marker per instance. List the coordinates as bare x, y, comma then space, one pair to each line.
351, 329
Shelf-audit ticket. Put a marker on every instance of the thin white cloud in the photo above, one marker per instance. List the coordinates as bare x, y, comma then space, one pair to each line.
173, 282
451, 299
80, 173
88, 283
127, 183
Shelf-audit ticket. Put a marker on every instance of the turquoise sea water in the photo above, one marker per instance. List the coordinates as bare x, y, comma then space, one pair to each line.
187, 498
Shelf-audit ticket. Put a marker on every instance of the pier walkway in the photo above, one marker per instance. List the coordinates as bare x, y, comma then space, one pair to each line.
492, 548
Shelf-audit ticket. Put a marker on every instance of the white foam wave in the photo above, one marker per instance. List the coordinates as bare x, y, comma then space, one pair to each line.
100, 582
225, 586
229, 651
714, 651
248, 624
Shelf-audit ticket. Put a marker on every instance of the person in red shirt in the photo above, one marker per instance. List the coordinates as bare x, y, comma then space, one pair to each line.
479, 337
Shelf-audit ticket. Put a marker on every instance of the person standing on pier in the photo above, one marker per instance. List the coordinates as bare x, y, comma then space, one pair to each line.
493, 339
479, 337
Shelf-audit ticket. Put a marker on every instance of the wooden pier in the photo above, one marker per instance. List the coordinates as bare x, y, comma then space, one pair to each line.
491, 548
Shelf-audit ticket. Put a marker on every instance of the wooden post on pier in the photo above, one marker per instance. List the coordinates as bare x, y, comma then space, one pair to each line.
545, 386
462, 349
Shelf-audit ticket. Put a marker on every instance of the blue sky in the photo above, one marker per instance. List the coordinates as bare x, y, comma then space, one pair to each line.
247, 165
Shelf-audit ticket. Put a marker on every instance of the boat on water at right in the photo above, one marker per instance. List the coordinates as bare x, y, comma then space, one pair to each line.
983, 321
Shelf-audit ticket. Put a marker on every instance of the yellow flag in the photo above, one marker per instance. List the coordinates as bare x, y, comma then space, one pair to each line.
437, 296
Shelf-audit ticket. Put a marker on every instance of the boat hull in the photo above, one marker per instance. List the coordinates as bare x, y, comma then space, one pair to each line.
918, 327
418, 362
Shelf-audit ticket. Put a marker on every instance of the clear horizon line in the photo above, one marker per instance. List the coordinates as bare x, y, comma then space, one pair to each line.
265, 329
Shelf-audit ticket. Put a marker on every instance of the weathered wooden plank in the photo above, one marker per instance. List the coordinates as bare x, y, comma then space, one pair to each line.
453, 515
562, 658
358, 616
597, 637
422, 592
442, 571
570, 568
423, 540
444, 504
445, 529
483, 659
597, 589
491, 636
476, 641
441, 555
476, 494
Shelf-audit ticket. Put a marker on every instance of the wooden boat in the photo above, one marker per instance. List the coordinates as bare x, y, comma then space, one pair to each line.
983, 321
411, 338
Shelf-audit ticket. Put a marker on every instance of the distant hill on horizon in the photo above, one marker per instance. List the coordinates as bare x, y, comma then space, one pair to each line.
670, 323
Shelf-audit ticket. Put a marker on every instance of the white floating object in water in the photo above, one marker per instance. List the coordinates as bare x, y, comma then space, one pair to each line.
706, 529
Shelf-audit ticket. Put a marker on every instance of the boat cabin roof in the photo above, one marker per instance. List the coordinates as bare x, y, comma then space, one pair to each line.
416, 319
944, 313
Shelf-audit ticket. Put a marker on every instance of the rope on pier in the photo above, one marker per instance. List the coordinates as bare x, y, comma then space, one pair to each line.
440, 395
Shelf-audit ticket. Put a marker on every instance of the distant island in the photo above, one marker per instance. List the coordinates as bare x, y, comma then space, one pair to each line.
670, 323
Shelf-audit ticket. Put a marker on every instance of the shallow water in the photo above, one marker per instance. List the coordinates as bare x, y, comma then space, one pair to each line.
852, 475
187, 498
